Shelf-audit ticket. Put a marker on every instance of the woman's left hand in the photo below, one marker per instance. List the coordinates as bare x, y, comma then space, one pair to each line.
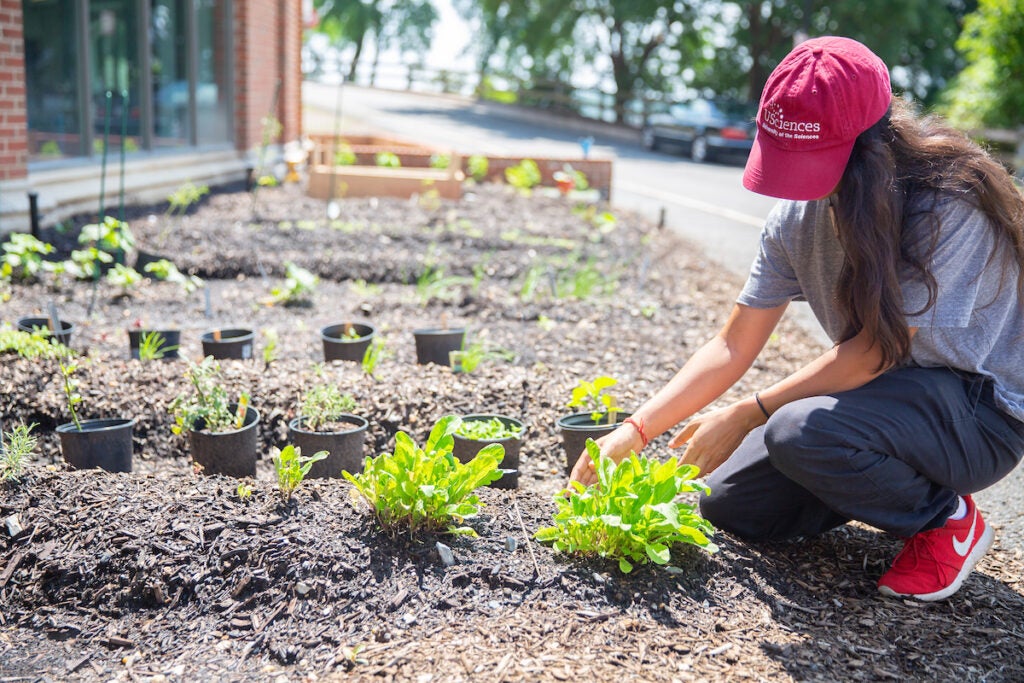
711, 438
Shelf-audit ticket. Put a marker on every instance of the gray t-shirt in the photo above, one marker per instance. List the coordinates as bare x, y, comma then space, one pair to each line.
976, 325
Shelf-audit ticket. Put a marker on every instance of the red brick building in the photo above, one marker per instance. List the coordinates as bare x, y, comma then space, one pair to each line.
175, 90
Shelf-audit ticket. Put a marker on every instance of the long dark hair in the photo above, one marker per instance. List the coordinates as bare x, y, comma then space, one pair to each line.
886, 220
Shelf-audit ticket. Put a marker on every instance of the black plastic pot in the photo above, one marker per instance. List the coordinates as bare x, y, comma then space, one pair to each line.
229, 343
144, 258
103, 443
171, 342
63, 336
339, 347
579, 427
344, 448
232, 453
466, 449
434, 344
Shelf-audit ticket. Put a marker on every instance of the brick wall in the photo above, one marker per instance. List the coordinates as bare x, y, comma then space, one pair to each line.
13, 116
268, 39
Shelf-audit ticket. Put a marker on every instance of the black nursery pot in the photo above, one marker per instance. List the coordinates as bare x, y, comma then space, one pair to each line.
144, 258
171, 342
466, 449
339, 347
579, 427
434, 344
232, 343
344, 448
63, 336
232, 453
103, 443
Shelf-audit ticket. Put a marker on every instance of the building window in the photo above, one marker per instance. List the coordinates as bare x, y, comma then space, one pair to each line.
113, 75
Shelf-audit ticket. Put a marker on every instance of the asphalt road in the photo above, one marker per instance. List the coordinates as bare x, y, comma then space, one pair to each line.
705, 203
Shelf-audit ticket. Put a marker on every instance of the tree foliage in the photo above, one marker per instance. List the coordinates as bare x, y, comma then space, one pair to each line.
989, 91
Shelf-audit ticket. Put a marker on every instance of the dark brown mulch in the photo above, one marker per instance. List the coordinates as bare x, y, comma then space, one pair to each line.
166, 575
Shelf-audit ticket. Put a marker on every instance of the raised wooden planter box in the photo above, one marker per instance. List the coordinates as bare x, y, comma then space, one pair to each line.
373, 181
598, 171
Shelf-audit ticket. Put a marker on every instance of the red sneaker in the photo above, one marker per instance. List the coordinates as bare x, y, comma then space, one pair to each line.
934, 563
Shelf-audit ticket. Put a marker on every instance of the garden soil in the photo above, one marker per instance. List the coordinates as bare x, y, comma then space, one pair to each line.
166, 574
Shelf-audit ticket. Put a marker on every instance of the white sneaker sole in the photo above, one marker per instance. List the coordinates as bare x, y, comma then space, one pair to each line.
980, 548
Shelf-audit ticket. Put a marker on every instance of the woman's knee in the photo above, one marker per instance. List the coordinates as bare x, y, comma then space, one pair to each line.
798, 431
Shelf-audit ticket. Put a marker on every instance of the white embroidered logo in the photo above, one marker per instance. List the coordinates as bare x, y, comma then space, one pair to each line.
964, 546
773, 121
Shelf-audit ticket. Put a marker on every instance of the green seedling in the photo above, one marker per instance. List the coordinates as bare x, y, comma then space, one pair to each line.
375, 353
477, 167
31, 345
153, 346
322, 403
207, 406
166, 270
345, 156
426, 489
524, 176
71, 395
23, 257
124, 277
387, 160
292, 468
631, 514
15, 448
243, 491
298, 285
433, 284
270, 341
470, 357
440, 161
85, 264
110, 235
491, 429
179, 201
592, 396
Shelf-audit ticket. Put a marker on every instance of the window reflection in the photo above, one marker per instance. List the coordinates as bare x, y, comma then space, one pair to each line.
51, 82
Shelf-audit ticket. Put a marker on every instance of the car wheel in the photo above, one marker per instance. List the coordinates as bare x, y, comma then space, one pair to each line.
699, 149
649, 139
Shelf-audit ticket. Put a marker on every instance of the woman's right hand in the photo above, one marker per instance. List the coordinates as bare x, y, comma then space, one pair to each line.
616, 445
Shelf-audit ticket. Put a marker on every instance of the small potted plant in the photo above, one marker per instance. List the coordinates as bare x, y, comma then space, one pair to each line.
223, 435
105, 442
147, 344
347, 340
326, 423
478, 431
601, 415
61, 329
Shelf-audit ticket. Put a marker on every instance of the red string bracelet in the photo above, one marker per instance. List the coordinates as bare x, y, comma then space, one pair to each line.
639, 428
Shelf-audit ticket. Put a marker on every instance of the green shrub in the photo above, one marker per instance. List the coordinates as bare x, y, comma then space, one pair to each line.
630, 514
524, 176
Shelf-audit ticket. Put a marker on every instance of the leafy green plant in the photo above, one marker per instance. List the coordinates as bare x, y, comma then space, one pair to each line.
153, 346
631, 514
15, 448
71, 395
477, 167
207, 406
243, 491
387, 160
298, 284
440, 161
187, 194
524, 176
470, 357
124, 277
344, 156
322, 403
110, 235
23, 257
166, 270
593, 396
292, 467
374, 354
491, 429
434, 284
31, 345
270, 340
426, 489
85, 264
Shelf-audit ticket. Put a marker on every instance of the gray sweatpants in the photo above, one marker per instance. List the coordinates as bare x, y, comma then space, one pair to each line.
893, 454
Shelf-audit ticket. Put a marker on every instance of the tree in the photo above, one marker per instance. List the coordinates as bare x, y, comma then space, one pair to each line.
408, 23
989, 92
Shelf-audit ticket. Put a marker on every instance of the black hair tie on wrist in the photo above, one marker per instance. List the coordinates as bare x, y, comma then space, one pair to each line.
760, 405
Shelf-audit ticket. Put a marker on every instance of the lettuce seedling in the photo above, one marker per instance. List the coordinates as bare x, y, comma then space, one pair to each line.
292, 467
427, 488
631, 514
491, 429
592, 396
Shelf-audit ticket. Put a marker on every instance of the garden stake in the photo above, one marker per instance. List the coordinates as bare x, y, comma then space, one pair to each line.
333, 208
54, 318
522, 525
207, 311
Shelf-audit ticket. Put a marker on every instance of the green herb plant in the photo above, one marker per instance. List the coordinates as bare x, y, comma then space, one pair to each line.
15, 448
297, 287
154, 346
426, 489
322, 403
631, 514
85, 264
109, 235
208, 405
124, 277
592, 396
167, 271
31, 345
71, 395
440, 161
374, 354
345, 156
292, 467
387, 160
178, 204
477, 167
470, 357
524, 176
491, 429
23, 257
433, 284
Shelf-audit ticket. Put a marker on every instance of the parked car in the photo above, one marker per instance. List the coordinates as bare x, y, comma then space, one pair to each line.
706, 129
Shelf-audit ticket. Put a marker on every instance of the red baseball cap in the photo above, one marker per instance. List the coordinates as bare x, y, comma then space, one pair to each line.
825, 93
